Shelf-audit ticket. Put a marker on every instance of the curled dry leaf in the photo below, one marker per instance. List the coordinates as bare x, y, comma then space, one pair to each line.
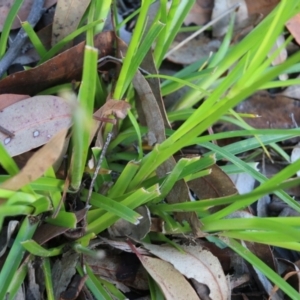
33, 121
117, 108
198, 264
5, 6
38, 163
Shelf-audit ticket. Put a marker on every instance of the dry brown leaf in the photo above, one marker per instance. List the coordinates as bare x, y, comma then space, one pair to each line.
274, 111
63, 68
249, 12
68, 14
293, 25
117, 108
263, 7
9, 99
172, 283
196, 263
122, 269
138, 231
200, 13
23, 13
38, 163
33, 121
216, 184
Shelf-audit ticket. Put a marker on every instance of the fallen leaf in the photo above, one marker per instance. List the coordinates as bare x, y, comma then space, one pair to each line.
198, 48
123, 228
38, 163
273, 111
122, 269
248, 14
281, 57
6, 235
172, 283
117, 108
216, 184
33, 121
9, 99
293, 27
23, 13
62, 272
68, 14
200, 13
189, 263
63, 68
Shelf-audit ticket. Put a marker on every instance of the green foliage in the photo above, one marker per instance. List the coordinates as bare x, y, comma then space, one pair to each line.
247, 69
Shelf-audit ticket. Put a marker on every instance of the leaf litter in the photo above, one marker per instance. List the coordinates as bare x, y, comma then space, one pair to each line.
196, 272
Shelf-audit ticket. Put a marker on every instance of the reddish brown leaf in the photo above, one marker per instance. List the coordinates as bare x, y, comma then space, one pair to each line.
260, 6
63, 68
293, 25
9, 99
274, 111
117, 108
216, 184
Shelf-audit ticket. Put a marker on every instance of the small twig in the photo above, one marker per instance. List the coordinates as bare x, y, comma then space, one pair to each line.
15, 48
232, 8
99, 163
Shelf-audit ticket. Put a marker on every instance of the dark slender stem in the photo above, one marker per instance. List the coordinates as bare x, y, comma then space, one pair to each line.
99, 163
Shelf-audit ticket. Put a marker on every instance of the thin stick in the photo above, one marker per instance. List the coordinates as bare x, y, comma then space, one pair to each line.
99, 163
232, 8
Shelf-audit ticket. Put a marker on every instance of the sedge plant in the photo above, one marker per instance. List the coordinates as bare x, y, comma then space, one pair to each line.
247, 68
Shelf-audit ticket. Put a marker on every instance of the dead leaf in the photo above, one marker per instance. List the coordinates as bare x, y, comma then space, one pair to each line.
6, 235
117, 108
23, 13
293, 27
246, 16
38, 163
74, 288
273, 111
191, 262
68, 14
62, 272
198, 48
10, 99
63, 68
282, 56
123, 228
122, 269
172, 283
216, 184
200, 13
33, 121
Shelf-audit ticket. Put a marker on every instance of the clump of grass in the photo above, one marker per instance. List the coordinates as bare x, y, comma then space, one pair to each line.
248, 69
